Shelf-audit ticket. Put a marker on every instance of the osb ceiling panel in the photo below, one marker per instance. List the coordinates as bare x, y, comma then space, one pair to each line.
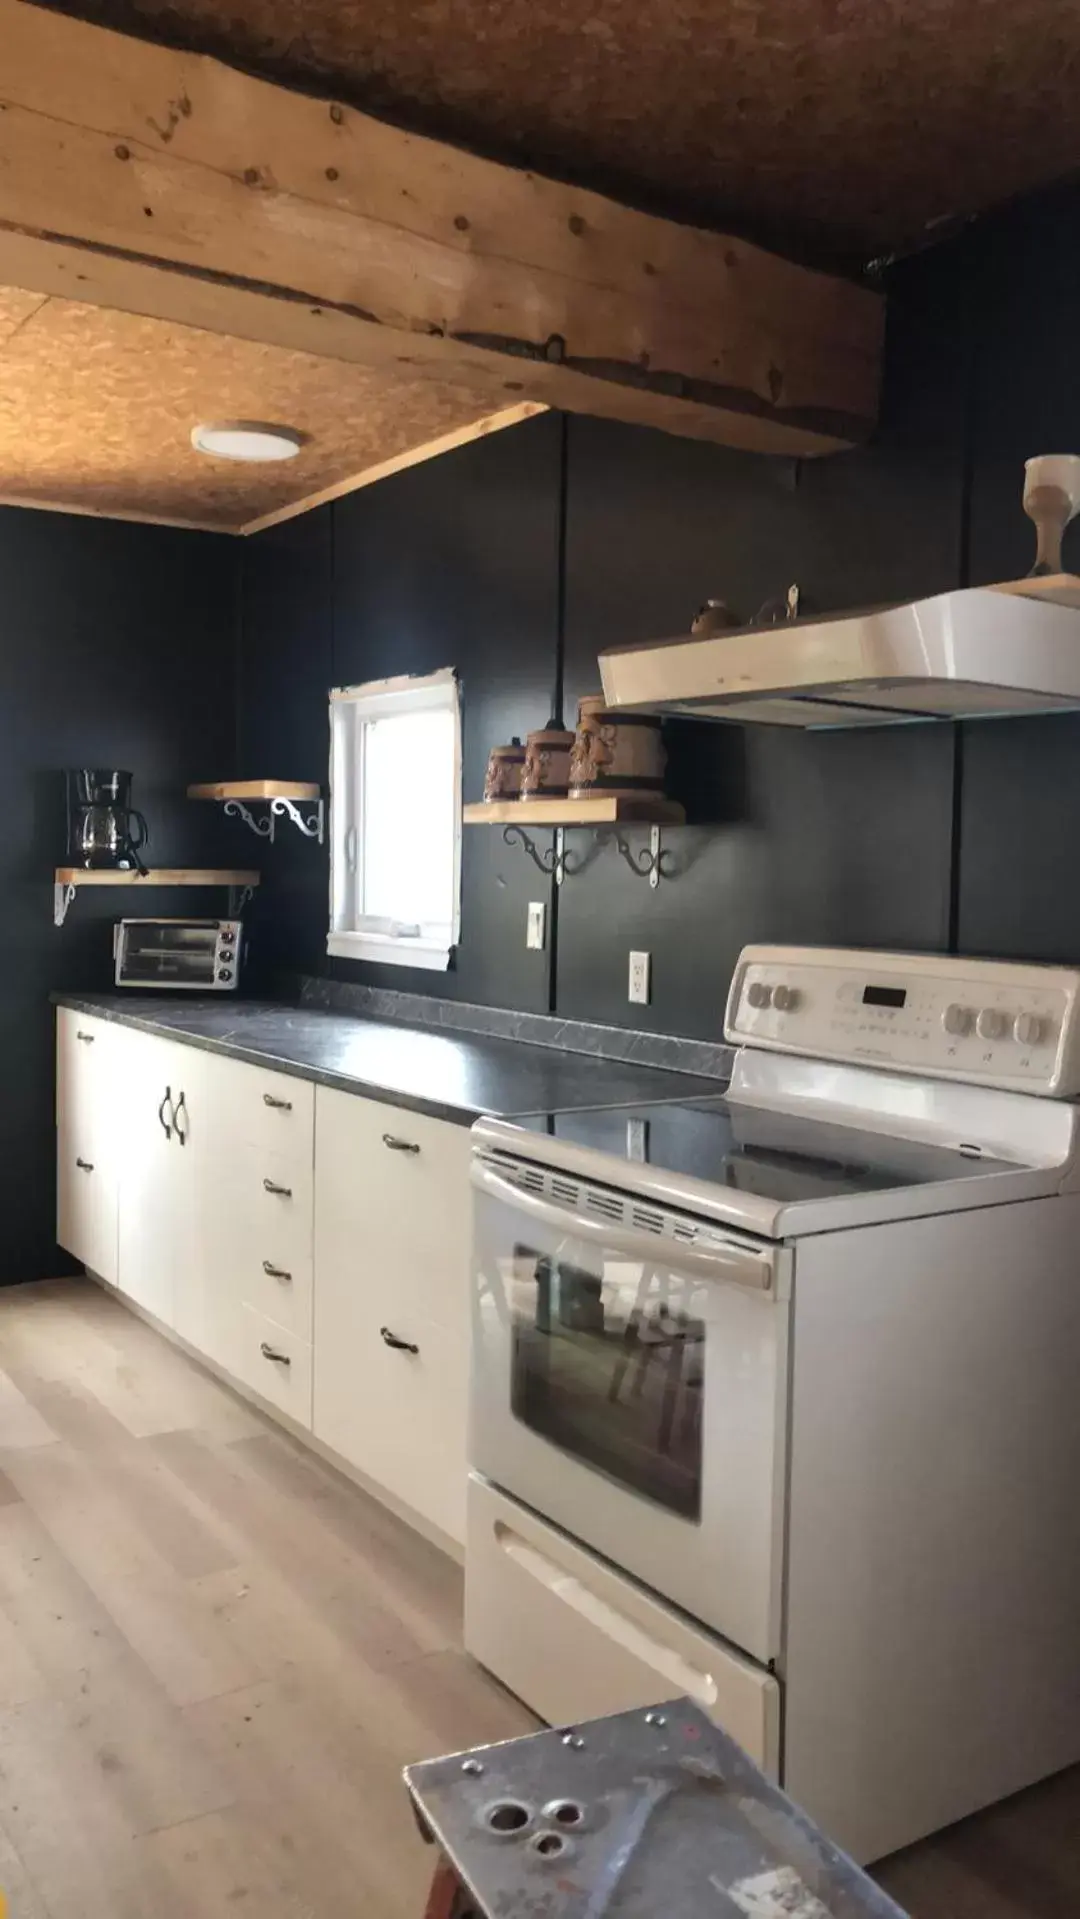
853, 124
97, 407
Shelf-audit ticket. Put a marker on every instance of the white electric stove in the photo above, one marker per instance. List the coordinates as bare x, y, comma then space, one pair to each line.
774, 1395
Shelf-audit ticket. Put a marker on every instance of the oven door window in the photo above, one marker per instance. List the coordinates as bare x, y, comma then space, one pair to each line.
608, 1363
185, 953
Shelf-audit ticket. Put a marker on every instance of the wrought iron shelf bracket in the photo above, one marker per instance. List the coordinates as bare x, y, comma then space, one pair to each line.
311, 824
556, 863
653, 863
63, 897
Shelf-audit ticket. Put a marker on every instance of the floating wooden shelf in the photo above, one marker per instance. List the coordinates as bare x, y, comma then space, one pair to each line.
157, 876
68, 879
281, 798
255, 790
606, 809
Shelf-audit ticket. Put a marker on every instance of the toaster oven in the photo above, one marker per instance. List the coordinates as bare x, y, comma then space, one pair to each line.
198, 955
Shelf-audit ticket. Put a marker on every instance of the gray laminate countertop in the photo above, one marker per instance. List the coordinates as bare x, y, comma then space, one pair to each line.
453, 1076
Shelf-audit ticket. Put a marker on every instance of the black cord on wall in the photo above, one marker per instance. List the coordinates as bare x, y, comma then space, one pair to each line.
558, 685
963, 568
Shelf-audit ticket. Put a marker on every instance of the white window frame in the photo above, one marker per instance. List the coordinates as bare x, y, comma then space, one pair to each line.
350, 936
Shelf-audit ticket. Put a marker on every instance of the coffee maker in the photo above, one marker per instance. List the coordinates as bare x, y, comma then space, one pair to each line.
104, 829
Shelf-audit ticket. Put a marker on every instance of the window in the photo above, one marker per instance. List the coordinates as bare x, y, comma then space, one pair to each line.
395, 820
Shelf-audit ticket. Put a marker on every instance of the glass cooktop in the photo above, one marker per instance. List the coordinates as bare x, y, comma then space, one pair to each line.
778, 1156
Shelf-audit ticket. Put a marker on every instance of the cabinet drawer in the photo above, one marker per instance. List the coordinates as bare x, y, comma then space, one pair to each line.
255, 1247
273, 1198
393, 1204
399, 1416
575, 1639
272, 1112
274, 1363
86, 1052
86, 1205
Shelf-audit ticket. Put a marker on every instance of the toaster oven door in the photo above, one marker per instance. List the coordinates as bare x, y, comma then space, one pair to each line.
201, 955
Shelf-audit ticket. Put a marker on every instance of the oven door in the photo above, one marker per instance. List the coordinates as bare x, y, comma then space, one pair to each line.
173, 953
629, 1383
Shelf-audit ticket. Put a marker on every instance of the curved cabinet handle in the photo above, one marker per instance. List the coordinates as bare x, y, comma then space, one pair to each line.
180, 1107
275, 1272
167, 1101
397, 1145
85, 1165
271, 1186
271, 1352
281, 1105
399, 1345
87, 1038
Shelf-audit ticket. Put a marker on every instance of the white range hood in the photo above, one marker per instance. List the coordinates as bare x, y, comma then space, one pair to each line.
973, 654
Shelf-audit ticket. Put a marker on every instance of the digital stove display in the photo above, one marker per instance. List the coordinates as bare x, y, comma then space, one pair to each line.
884, 996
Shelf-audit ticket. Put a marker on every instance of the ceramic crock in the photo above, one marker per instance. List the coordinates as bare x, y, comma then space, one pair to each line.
547, 764
505, 767
620, 754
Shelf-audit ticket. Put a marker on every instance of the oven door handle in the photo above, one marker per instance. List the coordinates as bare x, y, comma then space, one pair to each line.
737, 1265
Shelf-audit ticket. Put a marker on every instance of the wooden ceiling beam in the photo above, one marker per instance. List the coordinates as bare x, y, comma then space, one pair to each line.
168, 184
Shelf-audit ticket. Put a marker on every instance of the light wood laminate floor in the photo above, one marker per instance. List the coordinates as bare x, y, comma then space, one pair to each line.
216, 1655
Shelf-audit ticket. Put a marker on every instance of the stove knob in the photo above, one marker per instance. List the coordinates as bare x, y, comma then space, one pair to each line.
956, 1019
785, 998
991, 1024
759, 994
1027, 1028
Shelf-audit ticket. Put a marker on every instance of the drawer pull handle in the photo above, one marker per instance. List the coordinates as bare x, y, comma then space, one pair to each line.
280, 1105
167, 1101
181, 1107
85, 1165
397, 1145
399, 1345
87, 1038
283, 1192
275, 1272
271, 1352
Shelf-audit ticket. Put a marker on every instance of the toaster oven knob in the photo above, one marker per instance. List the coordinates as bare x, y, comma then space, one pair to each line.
957, 1019
1028, 1029
227, 939
758, 993
991, 1024
785, 998
225, 972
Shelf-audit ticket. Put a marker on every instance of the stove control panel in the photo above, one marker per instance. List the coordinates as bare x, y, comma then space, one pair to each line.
983, 1021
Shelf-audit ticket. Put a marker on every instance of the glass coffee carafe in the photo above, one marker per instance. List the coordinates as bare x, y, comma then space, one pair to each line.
105, 829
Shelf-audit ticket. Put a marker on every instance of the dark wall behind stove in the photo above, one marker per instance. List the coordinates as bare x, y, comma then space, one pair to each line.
464, 561
117, 650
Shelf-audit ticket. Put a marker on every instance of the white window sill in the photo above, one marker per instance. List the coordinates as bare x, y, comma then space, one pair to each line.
432, 956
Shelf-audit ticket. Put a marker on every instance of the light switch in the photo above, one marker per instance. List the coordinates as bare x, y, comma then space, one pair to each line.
534, 926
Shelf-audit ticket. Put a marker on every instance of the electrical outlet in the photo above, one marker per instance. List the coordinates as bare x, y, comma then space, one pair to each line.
639, 979
534, 926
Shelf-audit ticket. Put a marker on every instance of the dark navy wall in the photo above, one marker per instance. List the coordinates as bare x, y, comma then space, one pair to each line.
534, 548
117, 650
915, 837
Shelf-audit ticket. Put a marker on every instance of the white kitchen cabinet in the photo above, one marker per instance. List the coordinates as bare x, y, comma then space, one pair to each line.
255, 1232
86, 1149
392, 1252
312, 1244
159, 1090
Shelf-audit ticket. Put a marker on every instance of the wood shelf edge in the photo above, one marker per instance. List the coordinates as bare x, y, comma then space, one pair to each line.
255, 790
1060, 589
605, 810
157, 876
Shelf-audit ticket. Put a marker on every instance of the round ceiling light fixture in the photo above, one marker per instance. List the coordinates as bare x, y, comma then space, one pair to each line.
246, 440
